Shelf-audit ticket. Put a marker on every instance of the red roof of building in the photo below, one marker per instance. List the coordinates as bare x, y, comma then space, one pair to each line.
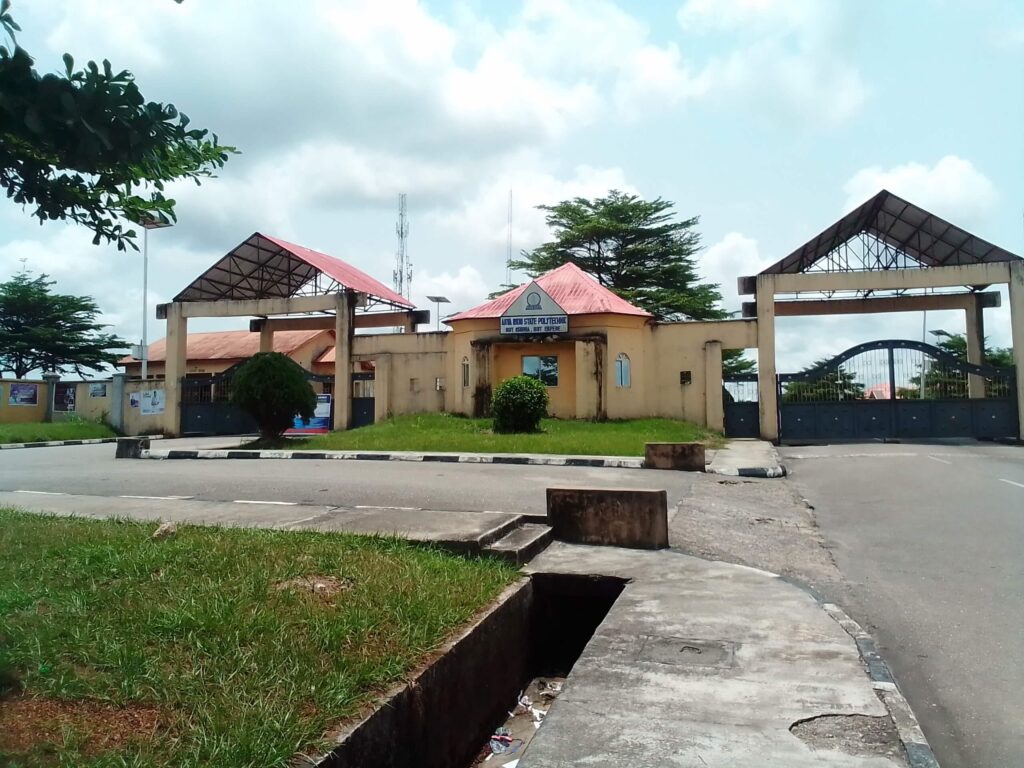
228, 345
263, 267
343, 272
575, 291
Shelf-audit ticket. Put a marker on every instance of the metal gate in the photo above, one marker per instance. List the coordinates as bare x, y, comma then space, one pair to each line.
206, 407
896, 389
207, 410
740, 402
363, 401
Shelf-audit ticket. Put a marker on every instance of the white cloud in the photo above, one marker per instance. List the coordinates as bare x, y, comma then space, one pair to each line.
465, 287
788, 52
952, 188
735, 255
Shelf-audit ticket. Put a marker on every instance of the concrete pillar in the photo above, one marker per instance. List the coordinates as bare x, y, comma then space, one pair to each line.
714, 407
117, 401
588, 383
50, 380
767, 392
266, 339
343, 363
382, 388
175, 367
1017, 328
975, 345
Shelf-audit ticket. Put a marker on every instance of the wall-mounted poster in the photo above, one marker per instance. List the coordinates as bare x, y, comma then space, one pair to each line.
320, 423
23, 394
98, 390
64, 397
134, 399
152, 402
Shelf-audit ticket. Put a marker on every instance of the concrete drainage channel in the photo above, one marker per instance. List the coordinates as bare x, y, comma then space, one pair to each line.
445, 715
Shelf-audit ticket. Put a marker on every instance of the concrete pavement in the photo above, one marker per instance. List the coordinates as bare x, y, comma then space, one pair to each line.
709, 664
929, 539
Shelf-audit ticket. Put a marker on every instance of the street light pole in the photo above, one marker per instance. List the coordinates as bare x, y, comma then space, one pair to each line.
147, 225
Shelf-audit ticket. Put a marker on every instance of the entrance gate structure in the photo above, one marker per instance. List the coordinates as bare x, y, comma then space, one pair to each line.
895, 389
273, 280
889, 255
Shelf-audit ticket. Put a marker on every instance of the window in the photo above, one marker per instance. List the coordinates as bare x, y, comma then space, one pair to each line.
622, 373
465, 372
544, 368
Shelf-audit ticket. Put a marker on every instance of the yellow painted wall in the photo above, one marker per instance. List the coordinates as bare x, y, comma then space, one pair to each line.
21, 414
508, 363
408, 366
134, 422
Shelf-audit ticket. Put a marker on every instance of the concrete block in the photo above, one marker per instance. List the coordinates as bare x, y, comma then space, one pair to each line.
131, 447
688, 457
610, 517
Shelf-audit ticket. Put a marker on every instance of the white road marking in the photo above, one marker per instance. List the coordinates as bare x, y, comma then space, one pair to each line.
403, 509
44, 493
162, 498
296, 522
941, 461
277, 503
1011, 482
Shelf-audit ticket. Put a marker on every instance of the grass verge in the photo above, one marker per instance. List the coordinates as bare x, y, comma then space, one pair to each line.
213, 647
447, 432
39, 432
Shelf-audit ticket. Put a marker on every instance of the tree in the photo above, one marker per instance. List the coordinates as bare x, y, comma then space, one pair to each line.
85, 145
836, 384
273, 389
635, 248
53, 332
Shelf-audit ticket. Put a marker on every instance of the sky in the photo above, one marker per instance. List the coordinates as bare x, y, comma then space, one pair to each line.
768, 119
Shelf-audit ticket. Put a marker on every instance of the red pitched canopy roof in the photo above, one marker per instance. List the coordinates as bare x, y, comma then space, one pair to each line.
228, 345
573, 289
265, 267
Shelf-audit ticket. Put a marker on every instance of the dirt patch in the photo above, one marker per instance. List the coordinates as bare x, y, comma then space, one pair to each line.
852, 734
322, 587
27, 724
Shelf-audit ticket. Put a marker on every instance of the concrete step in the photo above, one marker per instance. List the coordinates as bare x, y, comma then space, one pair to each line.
522, 544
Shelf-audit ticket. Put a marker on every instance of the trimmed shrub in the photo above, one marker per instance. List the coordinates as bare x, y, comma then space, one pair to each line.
273, 389
519, 404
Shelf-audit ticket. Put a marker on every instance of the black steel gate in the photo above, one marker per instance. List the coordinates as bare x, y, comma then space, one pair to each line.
363, 401
897, 389
206, 407
740, 403
207, 410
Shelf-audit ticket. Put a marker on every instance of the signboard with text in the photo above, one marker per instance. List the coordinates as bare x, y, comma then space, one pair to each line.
534, 312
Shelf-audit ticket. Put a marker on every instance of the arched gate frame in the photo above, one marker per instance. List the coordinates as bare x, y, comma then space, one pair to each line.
896, 389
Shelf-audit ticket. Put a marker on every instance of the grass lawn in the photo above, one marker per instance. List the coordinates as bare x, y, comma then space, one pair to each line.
445, 432
37, 432
209, 648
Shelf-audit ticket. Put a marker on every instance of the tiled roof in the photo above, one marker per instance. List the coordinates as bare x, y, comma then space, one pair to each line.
573, 289
228, 345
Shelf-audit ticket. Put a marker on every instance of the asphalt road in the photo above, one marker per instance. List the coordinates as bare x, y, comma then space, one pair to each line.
930, 539
92, 470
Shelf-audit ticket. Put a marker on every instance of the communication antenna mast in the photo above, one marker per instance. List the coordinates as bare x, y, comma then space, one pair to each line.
508, 246
403, 265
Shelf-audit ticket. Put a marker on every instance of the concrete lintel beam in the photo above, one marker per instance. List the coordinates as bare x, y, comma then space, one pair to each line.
878, 304
239, 307
994, 273
326, 322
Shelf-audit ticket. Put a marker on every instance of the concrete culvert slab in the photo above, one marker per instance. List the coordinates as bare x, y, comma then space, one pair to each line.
859, 735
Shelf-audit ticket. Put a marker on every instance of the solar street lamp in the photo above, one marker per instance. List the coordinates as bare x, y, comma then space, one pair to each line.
438, 301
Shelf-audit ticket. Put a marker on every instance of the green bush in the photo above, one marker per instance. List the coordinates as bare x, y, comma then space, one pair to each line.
273, 389
519, 404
